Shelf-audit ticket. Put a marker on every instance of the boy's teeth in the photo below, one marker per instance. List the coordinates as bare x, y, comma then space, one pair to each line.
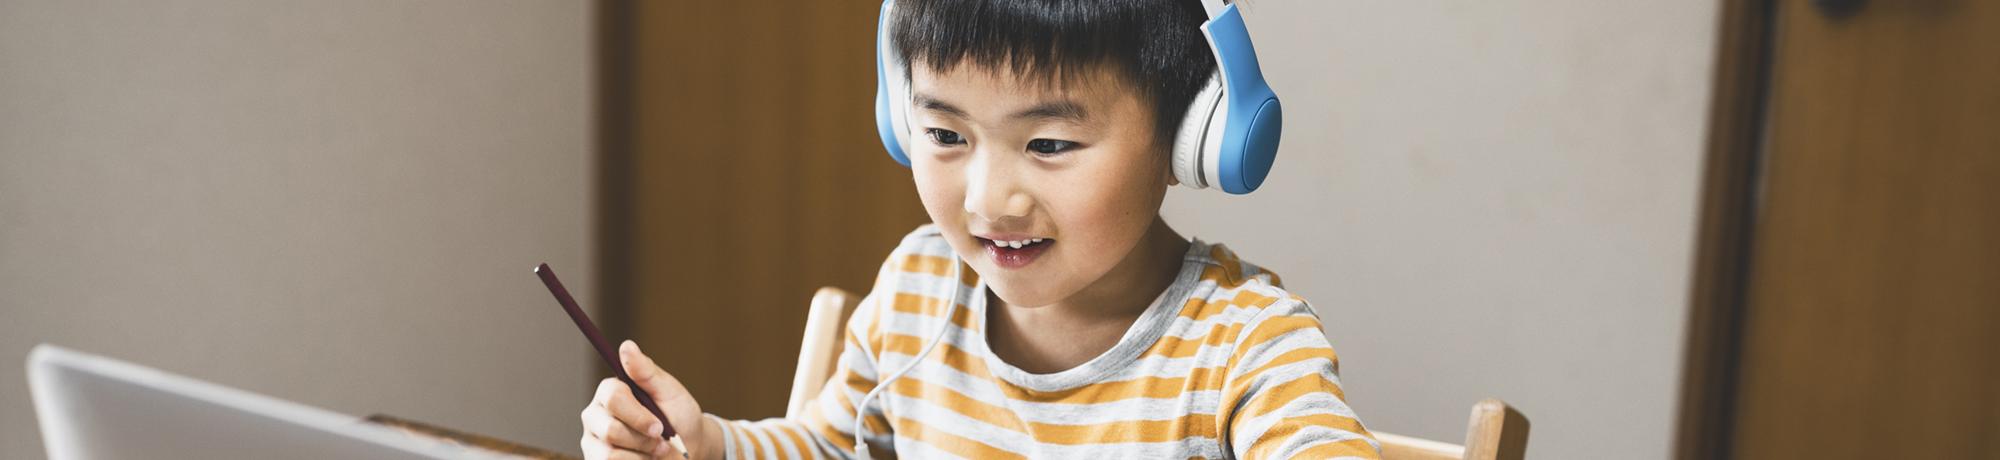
1017, 244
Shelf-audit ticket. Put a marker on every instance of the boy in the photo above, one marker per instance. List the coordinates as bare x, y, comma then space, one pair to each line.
1048, 311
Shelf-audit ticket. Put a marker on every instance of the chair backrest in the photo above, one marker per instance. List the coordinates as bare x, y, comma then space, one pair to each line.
1496, 431
820, 349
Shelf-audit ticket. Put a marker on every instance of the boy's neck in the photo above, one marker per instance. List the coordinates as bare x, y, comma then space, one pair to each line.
1060, 336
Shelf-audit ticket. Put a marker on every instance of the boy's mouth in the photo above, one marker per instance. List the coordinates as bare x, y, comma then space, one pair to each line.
1015, 253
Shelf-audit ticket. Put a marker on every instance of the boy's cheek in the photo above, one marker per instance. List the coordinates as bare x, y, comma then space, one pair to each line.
934, 187
943, 198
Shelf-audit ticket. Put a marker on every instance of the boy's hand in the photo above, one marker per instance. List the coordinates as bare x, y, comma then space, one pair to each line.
616, 426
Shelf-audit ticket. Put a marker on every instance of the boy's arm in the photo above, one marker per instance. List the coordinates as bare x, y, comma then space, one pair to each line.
1282, 398
826, 429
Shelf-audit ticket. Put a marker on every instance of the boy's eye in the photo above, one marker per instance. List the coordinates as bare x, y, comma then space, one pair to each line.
944, 136
1049, 146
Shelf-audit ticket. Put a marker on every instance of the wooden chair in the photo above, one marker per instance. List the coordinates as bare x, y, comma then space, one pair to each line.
820, 350
1496, 432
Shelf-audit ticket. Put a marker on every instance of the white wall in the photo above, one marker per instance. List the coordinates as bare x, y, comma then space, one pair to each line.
334, 202
1486, 198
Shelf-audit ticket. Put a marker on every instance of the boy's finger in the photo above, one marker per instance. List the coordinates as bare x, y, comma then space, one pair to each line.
601, 425
626, 408
622, 454
594, 448
617, 400
607, 388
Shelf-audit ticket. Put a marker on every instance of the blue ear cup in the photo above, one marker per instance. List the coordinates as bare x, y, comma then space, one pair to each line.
891, 89
1250, 115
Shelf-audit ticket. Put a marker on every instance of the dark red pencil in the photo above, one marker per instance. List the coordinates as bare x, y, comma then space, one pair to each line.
610, 355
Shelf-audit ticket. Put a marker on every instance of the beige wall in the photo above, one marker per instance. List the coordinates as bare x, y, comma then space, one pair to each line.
1486, 199
334, 202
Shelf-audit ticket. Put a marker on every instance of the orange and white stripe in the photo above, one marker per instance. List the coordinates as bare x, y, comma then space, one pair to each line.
1225, 365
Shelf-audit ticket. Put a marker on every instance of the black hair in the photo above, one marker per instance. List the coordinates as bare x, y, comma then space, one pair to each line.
1155, 44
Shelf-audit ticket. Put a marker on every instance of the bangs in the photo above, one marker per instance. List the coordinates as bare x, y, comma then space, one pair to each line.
1155, 45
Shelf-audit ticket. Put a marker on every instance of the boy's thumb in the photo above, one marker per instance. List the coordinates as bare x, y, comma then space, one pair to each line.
643, 370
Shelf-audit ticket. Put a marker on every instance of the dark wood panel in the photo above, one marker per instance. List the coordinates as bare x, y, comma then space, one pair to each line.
1874, 295
742, 172
1735, 139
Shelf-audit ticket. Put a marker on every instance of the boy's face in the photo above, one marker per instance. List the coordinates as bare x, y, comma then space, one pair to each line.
1070, 169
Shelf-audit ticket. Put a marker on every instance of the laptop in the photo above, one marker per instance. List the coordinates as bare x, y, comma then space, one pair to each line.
92, 407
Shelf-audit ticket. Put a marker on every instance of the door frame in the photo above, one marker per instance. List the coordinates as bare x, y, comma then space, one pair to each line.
1722, 259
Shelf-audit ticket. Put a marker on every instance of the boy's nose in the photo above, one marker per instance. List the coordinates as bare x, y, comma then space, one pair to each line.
991, 191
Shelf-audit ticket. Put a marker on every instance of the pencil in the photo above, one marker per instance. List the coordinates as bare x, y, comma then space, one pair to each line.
605, 351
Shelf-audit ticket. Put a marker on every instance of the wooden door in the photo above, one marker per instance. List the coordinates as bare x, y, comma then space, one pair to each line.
740, 171
1847, 300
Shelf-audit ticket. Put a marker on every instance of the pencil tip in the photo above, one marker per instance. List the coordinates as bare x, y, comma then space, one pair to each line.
676, 441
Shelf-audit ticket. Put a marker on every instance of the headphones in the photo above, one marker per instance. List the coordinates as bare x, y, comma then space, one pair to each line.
1228, 138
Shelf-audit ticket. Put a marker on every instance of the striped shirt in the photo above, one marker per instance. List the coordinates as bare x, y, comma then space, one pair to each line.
1224, 364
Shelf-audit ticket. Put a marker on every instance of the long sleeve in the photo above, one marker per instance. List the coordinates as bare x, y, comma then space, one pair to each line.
1287, 401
